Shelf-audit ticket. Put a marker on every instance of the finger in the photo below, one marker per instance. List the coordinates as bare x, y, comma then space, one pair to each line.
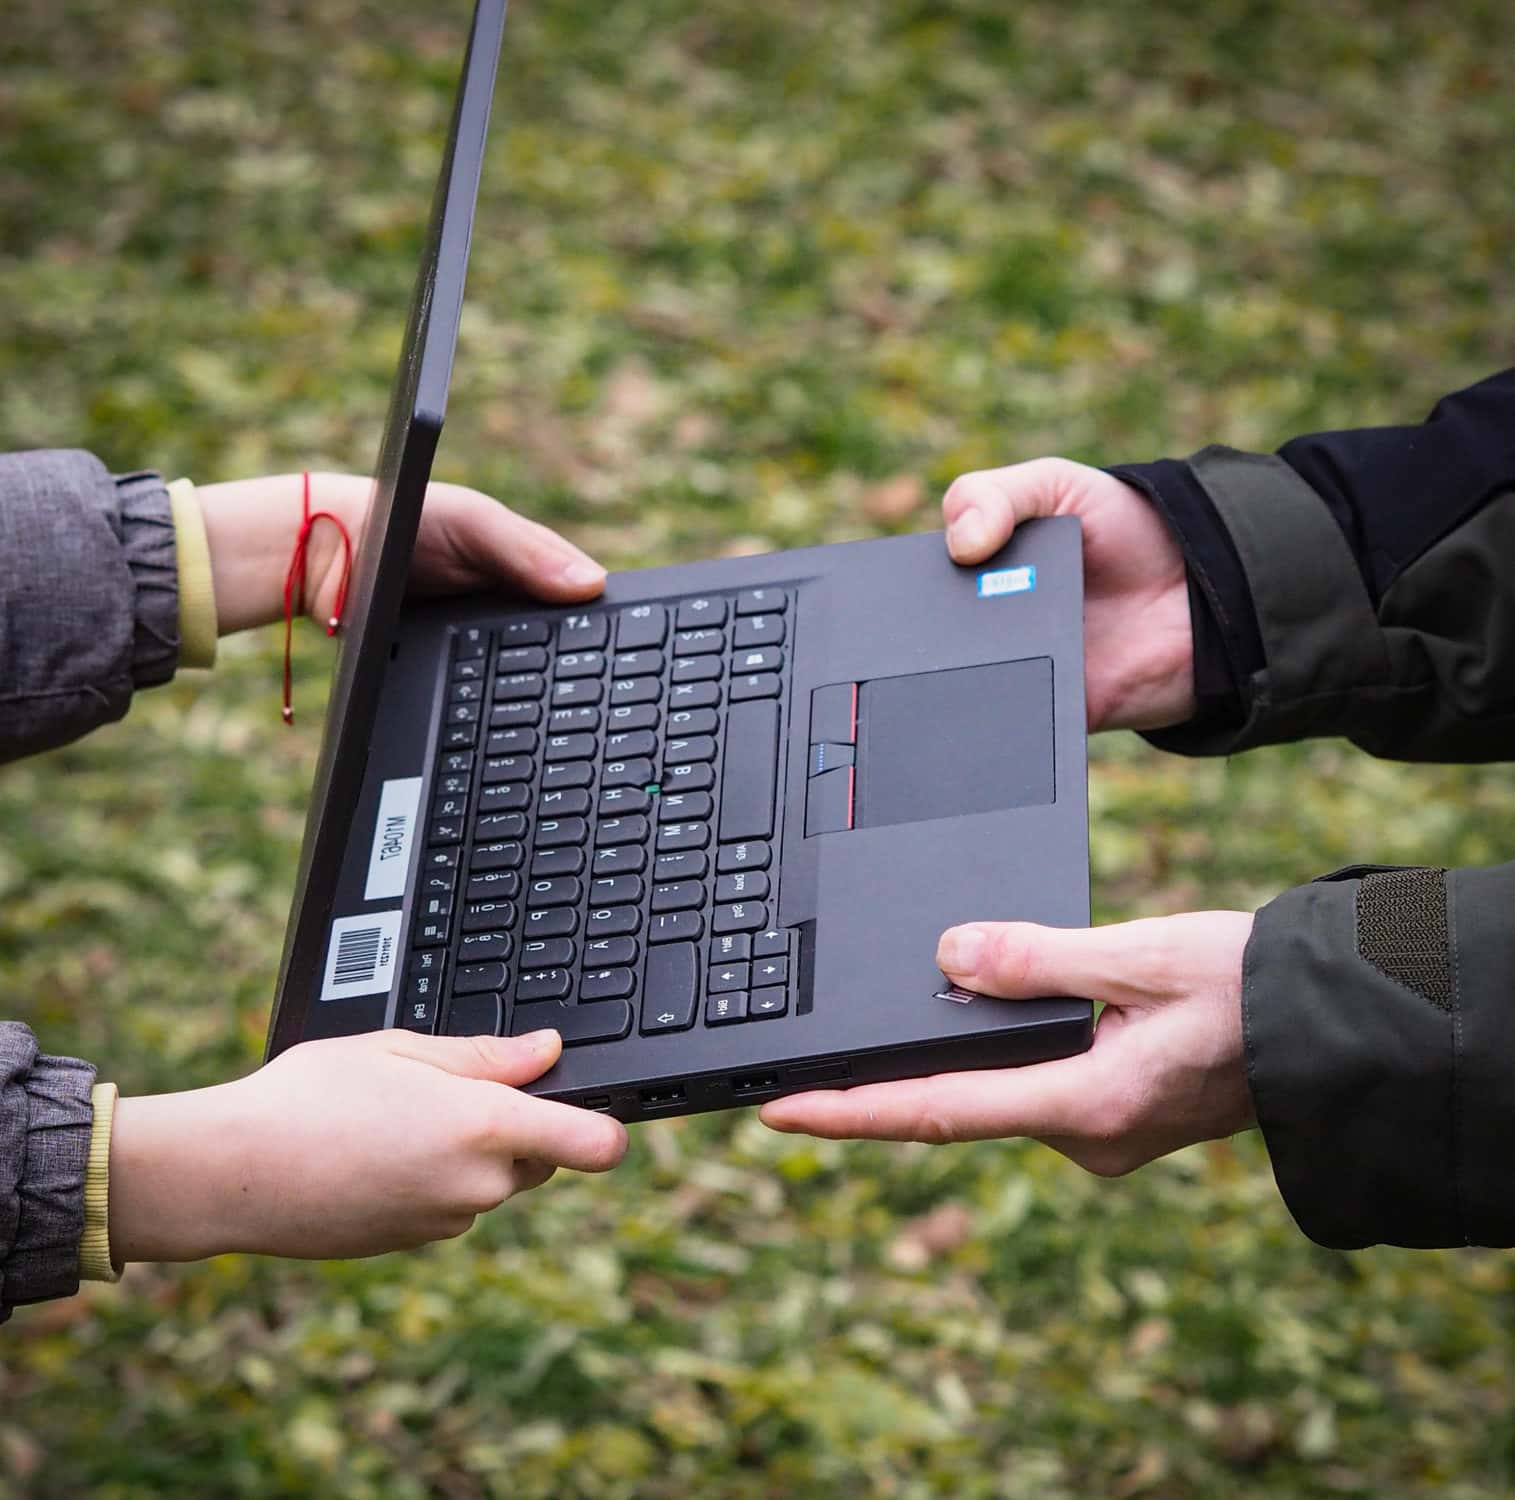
514, 1060
560, 1135
530, 1174
1122, 963
982, 509
512, 550
1048, 1098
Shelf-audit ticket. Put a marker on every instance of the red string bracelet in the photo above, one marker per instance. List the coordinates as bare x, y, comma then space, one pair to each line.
294, 583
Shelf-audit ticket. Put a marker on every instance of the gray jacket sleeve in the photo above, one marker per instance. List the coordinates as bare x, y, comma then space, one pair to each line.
45, 1120
89, 604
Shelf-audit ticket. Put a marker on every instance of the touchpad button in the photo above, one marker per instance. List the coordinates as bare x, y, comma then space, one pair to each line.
944, 744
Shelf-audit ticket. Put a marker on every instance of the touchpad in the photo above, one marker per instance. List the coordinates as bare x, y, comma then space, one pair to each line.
943, 744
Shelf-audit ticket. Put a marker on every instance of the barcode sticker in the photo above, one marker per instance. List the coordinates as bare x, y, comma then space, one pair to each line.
361, 958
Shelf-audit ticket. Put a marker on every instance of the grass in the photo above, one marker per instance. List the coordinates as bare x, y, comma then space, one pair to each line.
745, 277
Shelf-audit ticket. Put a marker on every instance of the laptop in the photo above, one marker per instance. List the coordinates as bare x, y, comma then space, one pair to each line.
708, 827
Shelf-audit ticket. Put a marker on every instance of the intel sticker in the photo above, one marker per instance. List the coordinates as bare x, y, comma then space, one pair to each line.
1006, 581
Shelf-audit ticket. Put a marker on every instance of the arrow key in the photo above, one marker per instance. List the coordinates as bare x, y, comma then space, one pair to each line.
770, 971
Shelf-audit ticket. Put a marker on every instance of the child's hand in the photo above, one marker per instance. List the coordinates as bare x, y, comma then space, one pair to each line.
345, 1148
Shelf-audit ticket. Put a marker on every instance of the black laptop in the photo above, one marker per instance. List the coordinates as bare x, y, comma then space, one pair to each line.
708, 827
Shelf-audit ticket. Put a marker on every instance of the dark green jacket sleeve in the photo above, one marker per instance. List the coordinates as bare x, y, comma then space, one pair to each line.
1379, 1026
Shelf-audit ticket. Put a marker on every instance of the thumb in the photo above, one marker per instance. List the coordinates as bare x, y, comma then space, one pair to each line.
1022, 961
515, 1060
981, 510
516, 551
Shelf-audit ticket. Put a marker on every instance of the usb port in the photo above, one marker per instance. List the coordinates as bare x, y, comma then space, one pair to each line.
753, 1083
595, 1101
663, 1095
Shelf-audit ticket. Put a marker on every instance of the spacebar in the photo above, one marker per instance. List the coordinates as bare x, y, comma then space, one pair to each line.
752, 754
604, 1021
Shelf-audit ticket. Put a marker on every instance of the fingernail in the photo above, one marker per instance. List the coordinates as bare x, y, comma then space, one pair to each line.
966, 534
581, 573
538, 1041
959, 950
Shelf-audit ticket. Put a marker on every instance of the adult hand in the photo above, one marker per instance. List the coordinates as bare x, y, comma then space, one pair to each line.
466, 541
1165, 1069
347, 1147
1139, 645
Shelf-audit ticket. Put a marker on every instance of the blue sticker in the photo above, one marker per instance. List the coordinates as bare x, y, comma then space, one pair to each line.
1006, 581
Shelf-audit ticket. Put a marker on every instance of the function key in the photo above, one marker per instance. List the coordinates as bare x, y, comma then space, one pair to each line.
440, 859
515, 685
511, 742
761, 602
468, 671
421, 1005
641, 626
524, 633
456, 763
751, 855
703, 642
521, 659
583, 633
759, 630
694, 613
466, 692
470, 643
459, 736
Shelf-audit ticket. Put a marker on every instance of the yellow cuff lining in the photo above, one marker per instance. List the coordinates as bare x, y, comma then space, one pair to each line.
95, 1262
197, 589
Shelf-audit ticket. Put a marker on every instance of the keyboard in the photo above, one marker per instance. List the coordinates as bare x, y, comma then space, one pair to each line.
599, 847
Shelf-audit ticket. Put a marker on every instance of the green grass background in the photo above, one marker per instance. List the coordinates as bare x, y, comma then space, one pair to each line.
745, 276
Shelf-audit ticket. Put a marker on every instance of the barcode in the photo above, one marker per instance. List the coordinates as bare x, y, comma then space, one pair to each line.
357, 955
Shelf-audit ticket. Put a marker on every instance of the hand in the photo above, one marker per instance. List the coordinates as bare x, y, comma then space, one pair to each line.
1165, 1069
1139, 643
343, 1148
466, 541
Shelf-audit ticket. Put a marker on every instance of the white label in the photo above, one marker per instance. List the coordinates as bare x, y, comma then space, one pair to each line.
393, 832
362, 955
1006, 581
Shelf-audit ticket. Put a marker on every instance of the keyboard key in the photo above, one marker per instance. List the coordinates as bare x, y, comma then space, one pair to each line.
615, 890
567, 773
691, 865
458, 763
511, 742
765, 601
583, 632
521, 659
607, 984
572, 802
751, 854
634, 716
446, 831
568, 860
469, 671
638, 664
698, 747
674, 837
570, 747
429, 961
758, 630
701, 642
562, 890
678, 895
438, 882
629, 690
612, 921
477, 947
641, 626
739, 916
492, 827
769, 971
520, 685
719, 1009
489, 916
633, 773
440, 859
450, 807
481, 1014
768, 1002
420, 1008
611, 951
524, 633
512, 797
618, 801
693, 695
514, 715
675, 927
767, 659
454, 786
682, 806
698, 669
727, 977
433, 930
697, 776
583, 720
620, 859
758, 685
466, 692
745, 885
669, 988
693, 613
774, 940
493, 885
459, 736
575, 691
576, 1024
553, 833
461, 713
470, 643
622, 831
542, 984
752, 740
471, 978
632, 744
579, 664
687, 721
730, 947
551, 922
548, 953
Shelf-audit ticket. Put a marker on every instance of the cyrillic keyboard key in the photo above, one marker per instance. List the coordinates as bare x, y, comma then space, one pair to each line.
739, 916
678, 895
562, 890
691, 865
698, 642
469, 979
669, 987
511, 797
727, 977
523, 633
757, 685
637, 773
745, 885
563, 802
607, 984
568, 860
751, 769
578, 664
612, 921
542, 984
475, 1015
674, 837
576, 1024
552, 833
758, 630
675, 927
768, 1002
548, 953
567, 773
621, 831
494, 885
719, 1009
620, 859
682, 806
751, 854
478, 947
583, 632
609, 952
615, 890
641, 626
